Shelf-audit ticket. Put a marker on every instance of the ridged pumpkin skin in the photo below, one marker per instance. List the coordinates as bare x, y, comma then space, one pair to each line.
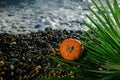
71, 49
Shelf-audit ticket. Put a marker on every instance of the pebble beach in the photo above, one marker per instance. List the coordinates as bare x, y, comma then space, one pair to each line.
32, 29
24, 56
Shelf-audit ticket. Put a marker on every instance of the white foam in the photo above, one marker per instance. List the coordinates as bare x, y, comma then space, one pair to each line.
57, 14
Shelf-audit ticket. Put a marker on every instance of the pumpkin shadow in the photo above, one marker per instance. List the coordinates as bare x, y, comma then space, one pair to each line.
83, 57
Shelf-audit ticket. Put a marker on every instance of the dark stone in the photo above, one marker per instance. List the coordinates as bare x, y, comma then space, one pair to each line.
19, 71
24, 17
48, 29
13, 60
10, 15
38, 26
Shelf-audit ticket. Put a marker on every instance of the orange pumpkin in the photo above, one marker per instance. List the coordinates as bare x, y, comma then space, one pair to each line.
71, 49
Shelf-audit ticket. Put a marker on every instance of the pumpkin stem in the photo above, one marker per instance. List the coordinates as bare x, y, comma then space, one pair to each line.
71, 48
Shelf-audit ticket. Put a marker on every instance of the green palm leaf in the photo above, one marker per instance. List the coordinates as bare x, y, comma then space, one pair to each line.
107, 54
102, 46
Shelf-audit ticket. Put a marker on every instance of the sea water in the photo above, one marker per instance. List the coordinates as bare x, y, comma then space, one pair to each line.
22, 16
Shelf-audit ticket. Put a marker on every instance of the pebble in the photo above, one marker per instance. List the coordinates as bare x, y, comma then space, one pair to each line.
2, 63
10, 15
23, 58
1, 78
13, 60
38, 26
29, 59
12, 73
20, 63
37, 68
19, 71
12, 67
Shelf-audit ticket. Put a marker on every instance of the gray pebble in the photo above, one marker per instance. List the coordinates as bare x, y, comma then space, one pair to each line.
2, 63
12, 73
37, 26
10, 15
29, 59
23, 58
13, 60
12, 67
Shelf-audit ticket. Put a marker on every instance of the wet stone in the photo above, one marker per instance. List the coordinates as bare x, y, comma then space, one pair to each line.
38, 26
10, 15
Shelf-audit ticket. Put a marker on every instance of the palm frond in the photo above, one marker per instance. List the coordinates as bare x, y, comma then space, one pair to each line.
103, 45
107, 53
